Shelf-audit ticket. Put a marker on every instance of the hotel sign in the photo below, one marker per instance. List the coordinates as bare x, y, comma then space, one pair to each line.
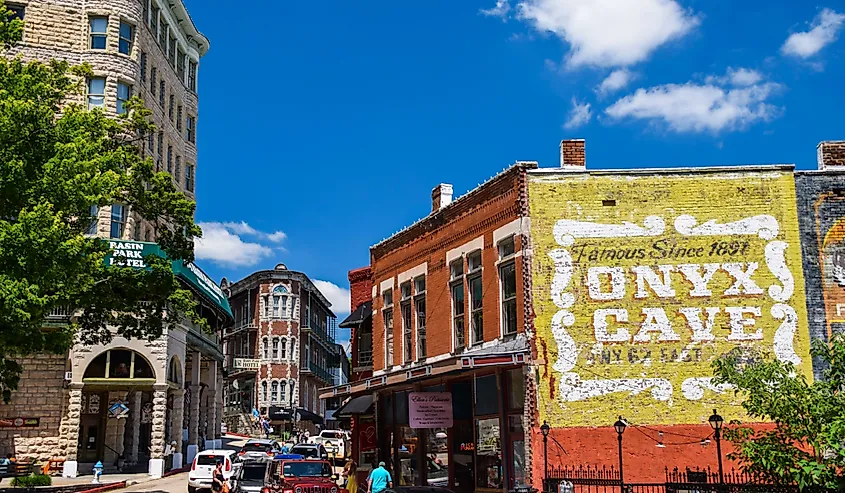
246, 364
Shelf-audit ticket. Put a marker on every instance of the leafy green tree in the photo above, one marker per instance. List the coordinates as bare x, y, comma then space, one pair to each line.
806, 445
57, 159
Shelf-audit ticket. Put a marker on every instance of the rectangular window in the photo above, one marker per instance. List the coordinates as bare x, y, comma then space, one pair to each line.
192, 75
189, 177
179, 117
171, 53
275, 348
488, 453
153, 73
96, 92
18, 12
474, 261
180, 65
458, 314
146, 10
162, 33
282, 394
151, 141
143, 67
154, 19
506, 248
283, 353
160, 150
126, 33
92, 226
177, 170
190, 135
476, 296
266, 307
118, 220
171, 106
161, 93
98, 30
406, 332
405, 289
388, 297
388, 338
275, 306
170, 159
507, 278
284, 310
274, 392
420, 309
124, 92
419, 285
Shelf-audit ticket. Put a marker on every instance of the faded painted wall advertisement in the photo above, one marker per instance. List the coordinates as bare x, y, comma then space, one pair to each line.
831, 234
641, 281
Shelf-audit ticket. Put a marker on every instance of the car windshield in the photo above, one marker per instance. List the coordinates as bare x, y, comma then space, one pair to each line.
313, 469
209, 460
254, 473
331, 434
307, 452
257, 447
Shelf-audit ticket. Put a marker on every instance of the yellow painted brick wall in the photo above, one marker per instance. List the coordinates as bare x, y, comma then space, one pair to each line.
639, 246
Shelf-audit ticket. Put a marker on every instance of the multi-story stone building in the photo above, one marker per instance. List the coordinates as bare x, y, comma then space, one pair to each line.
71, 407
279, 351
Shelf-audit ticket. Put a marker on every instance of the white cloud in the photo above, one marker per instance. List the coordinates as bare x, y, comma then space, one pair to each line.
615, 81
693, 107
221, 243
277, 237
579, 115
241, 228
609, 33
500, 10
337, 296
739, 77
805, 44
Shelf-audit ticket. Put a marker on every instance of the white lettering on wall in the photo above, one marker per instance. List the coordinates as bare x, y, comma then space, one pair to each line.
742, 272
739, 323
617, 283
646, 275
600, 325
656, 321
692, 272
701, 332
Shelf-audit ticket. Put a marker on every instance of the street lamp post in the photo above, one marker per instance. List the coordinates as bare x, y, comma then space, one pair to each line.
716, 423
620, 426
545, 431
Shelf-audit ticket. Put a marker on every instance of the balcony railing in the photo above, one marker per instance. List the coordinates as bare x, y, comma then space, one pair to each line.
59, 313
240, 327
319, 372
365, 358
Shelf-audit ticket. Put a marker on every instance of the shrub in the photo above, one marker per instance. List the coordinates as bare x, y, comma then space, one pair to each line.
31, 481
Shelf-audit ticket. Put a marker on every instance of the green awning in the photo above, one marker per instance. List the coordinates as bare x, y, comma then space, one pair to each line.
132, 253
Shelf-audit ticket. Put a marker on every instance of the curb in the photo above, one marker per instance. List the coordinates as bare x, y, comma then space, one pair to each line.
174, 472
108, 487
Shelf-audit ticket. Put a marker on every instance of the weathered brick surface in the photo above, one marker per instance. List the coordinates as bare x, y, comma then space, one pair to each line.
40, 395
831, 154
360, 291
573, 152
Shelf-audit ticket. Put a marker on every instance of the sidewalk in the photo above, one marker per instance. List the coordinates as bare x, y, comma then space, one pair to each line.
130, 479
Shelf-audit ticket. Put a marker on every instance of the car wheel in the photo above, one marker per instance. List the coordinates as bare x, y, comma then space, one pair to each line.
191, 489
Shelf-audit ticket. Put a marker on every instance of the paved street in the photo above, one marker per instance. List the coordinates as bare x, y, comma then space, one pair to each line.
177, 482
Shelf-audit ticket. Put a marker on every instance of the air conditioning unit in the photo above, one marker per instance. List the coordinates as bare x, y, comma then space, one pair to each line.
68, 376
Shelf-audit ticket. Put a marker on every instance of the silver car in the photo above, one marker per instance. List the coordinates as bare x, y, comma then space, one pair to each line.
251, 477
259, 449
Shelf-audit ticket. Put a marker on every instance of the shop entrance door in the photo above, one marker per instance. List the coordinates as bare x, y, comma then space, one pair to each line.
91, 438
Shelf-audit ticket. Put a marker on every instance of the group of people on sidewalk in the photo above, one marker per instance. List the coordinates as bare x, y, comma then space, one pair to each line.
378, 480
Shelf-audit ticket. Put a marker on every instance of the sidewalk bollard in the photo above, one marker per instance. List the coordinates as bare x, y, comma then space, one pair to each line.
98, 471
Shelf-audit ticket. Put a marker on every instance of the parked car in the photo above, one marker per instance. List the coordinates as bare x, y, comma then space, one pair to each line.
301, 475
335, 442
202, 468
310, 451
251, 477
259, 448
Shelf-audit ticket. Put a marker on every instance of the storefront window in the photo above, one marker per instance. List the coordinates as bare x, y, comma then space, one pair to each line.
463, 437
488, 454
517, 440
516, 389
437, 457
408, 472
486, 395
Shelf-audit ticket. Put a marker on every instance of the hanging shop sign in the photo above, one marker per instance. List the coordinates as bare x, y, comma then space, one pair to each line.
430, 409
19, 422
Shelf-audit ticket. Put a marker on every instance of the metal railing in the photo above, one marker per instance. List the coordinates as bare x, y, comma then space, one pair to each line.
59, 312
365, 358
321, 373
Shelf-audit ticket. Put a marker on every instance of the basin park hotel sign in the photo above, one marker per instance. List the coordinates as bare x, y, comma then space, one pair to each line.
573, 296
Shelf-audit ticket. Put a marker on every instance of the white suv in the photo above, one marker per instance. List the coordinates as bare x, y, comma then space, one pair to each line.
202, 469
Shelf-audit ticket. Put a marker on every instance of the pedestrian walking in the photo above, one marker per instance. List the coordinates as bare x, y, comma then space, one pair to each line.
380, 479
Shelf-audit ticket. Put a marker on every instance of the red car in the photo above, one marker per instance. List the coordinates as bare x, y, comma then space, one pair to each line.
301, 476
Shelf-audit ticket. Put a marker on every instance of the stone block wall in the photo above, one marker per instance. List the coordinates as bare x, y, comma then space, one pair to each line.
39, 395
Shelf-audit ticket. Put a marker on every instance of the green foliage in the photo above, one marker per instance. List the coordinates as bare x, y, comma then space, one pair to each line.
53, 167
806, 445
11, 30
32, 481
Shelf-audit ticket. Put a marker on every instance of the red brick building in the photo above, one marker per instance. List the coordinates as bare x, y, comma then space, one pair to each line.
440, 311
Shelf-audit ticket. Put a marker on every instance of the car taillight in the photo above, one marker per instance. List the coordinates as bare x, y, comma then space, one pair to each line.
242, 452
270, 453
194, 464
288, 491
265, 490
228, 465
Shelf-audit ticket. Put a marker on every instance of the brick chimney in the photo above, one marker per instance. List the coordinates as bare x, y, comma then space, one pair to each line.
831, 154
573, 154
441, 196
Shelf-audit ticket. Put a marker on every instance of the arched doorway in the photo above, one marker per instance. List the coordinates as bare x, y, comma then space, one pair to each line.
108, 380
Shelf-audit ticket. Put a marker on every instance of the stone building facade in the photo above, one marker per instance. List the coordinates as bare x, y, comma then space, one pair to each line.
279, 351
147, 48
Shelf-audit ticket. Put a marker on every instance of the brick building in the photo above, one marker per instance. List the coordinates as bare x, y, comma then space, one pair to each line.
440, 310
170, 385
279, 350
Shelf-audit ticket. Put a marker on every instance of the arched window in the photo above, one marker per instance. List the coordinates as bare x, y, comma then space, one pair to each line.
282, 388
274, 392
280, 290
119, 364
266, 349
284, 350
275, 348
278, 297
264, 391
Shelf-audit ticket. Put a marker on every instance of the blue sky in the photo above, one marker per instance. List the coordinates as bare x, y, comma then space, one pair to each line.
324, 126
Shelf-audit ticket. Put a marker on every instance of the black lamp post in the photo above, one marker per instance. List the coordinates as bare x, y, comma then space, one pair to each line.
620, 426
545, 431
716, 423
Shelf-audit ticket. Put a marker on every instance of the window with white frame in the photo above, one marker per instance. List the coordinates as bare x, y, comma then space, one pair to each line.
387, 296
275, 348
284, 311
507, 282
419, 308
118, 220
265, 352
96, 92
476, 297
264, 391
274, 392
98, 27
124, 92
405, 312
275, 306
283, 351
458, 303
282, 388
127, 32
92, 226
